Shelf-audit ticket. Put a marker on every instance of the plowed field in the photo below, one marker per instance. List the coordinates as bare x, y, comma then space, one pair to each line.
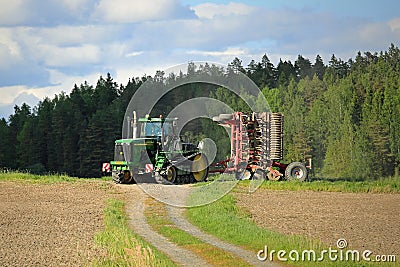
365, 220
51, 224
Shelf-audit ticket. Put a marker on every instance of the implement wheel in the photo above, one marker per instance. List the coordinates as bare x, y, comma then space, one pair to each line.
296, 171
199, 168
171, 174
273, 177
124, 177
127, 178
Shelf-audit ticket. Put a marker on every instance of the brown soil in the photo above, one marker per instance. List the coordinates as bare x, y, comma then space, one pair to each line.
50, 225
366, 221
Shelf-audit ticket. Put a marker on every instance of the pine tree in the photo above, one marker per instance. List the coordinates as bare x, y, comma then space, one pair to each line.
285, 71
302, 68
319, 67
17, 121
5, 145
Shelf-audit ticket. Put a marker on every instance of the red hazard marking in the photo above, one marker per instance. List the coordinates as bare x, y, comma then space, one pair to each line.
149, 168
106, 167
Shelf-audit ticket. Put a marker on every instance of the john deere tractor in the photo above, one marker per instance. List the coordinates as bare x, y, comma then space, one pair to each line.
155, 153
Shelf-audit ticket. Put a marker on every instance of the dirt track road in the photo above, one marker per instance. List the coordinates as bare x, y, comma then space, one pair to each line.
135, 204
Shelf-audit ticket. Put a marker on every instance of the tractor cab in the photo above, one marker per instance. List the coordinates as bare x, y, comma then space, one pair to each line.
157, 127
161, 131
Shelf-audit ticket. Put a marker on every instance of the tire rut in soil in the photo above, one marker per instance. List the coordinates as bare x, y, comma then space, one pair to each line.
135, 211
177, 216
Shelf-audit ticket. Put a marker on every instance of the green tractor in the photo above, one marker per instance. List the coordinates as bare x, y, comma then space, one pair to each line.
155, 153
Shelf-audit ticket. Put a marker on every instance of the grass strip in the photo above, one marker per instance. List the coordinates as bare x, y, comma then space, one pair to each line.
26, 177
228, 222
157, 217
16, 176
121, 245
383, 185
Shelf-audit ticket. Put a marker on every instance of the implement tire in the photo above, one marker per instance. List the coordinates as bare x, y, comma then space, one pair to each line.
124, 177
171, 174
296, 171
273, 177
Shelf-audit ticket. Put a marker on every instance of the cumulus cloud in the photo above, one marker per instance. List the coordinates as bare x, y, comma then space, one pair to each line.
210, 10
133, 11
69, 56
230, 51
77, 5
46, 46
13, 12
7, 109
134, 54
64, 35
394, 25
17, 94
45, 12
10, 46
10, 93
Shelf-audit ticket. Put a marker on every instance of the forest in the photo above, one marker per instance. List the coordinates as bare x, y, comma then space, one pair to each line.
343, 114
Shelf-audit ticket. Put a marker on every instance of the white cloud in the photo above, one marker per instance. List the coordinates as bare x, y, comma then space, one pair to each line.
42, 12
67, 41
229, 52
9, 93
10, 50
64, 46
134, 54
123, 74
7, 109
63, 83
73, 35
69, 56
7, 40
76, 5
394, 25
133, 11
371, 32
13, 12
210, 10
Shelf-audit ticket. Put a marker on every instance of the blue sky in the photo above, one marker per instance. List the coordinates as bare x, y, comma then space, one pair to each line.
46, 46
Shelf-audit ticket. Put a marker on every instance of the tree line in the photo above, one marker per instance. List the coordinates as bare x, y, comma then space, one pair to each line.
343, 114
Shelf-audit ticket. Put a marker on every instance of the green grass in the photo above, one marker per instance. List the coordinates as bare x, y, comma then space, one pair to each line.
15, 176
383, 185
121, 245
158, 218
228, 222
19, 176
106, 178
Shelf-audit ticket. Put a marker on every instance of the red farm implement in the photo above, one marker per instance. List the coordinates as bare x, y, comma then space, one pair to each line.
257, 148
